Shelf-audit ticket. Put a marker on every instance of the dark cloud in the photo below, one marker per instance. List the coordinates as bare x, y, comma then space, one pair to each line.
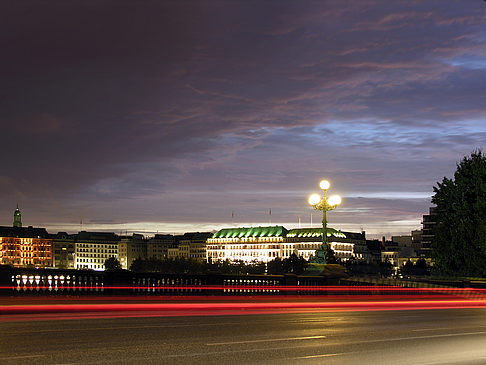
121, 110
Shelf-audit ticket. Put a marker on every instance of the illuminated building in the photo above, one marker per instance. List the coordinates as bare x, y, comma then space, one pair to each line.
264, 244
93, 248
346, 245
246, 244
25, 246
131, 248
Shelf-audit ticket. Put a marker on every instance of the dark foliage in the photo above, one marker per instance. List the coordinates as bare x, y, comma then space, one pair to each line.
181, 265
112, 264
420, 268
293, 264
459, 245
361, 268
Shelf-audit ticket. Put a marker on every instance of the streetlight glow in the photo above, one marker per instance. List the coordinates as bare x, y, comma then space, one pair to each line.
324, 184
323, 204
314, 199
334, 200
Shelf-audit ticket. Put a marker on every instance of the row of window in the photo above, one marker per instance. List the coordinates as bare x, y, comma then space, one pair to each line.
25, 248
23, 254
96, 250
95, 245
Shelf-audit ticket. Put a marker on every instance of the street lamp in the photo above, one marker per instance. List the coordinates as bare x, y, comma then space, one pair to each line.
324, 204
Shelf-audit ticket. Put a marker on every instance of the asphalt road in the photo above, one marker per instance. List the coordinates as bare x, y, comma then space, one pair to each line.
445, 336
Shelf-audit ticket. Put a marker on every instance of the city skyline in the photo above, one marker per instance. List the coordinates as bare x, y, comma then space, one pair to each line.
195, 116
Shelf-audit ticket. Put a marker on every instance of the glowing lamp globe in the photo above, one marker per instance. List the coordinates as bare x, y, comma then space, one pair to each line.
314, 199
324, 184
334, 200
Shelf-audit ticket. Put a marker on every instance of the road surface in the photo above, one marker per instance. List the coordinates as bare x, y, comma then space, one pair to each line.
433, 336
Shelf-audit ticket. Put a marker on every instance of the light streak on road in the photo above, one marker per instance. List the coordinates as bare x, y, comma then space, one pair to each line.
117, 307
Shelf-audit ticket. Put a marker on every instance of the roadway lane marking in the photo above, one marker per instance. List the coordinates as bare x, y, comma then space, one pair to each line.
422, 337
21, 357
125, 327
316, 356
440, 328
175, 356
266, 340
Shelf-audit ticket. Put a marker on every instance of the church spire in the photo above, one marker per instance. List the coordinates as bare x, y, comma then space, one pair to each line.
17, 217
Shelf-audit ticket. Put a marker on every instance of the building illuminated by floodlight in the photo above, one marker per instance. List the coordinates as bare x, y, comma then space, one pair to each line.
264, 244
25, 246
94, 248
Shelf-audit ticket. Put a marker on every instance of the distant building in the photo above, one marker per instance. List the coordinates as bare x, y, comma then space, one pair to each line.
25, 246
63, 250
305, 241
131, 248
158, 246
405, 246
17, 218
429, 222
93, 248
264, 244
374, 249
261, 244
193, 245
390, 253
417, 241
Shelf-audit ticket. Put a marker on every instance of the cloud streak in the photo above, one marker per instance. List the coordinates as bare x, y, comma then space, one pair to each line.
120, 111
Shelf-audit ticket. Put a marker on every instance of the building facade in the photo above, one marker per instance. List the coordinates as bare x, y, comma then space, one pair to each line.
257, 244
429, 222
193, 245
25, 247
63, 250
264, 244
131, 248
92, 249
158, 246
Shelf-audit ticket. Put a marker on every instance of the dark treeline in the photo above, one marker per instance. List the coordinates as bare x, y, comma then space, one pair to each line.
385, 269
179, 265
420, 268
459, 242
359, 268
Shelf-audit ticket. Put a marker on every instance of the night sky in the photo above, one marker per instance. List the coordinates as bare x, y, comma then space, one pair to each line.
177, 116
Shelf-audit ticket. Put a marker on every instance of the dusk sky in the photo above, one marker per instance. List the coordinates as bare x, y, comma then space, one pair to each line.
168, 116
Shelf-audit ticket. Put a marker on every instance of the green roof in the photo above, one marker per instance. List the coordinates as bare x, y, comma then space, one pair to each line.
274, 231
314, 232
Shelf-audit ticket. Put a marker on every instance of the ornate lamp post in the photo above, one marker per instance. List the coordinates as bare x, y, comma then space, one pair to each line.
324, 204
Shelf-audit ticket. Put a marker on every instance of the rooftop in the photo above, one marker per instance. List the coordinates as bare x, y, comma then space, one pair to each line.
314, 232
273, 231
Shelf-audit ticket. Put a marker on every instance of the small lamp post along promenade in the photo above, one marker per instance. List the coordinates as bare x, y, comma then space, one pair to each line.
324, 204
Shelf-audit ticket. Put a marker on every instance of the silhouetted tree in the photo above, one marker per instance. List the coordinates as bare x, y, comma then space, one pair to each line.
459, 244
294, 264
420, 268
275, 267
112, 264
137, 265
385, 268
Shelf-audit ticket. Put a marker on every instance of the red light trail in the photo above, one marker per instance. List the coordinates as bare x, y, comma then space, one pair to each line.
331, 299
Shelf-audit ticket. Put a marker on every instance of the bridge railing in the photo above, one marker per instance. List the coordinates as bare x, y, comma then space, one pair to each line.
28, 281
